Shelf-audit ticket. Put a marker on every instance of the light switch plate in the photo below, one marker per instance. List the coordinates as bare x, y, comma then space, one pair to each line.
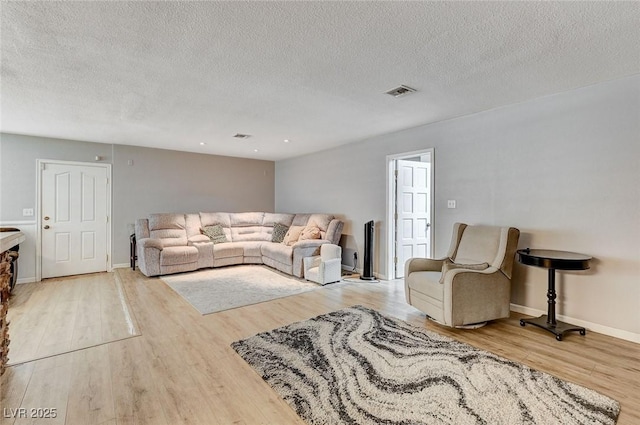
27, 212
451, 203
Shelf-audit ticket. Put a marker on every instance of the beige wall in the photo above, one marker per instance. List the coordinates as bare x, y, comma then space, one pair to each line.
158, 181
565, 169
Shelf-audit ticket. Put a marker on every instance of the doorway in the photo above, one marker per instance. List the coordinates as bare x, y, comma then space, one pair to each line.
409, 208
73, 213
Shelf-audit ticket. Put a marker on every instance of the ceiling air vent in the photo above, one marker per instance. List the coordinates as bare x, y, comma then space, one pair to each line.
241, 136
400, 91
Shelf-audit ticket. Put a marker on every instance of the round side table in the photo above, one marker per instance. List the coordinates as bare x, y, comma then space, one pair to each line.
553, 260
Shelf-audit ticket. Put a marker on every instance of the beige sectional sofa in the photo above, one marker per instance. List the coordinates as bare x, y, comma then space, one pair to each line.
173, 243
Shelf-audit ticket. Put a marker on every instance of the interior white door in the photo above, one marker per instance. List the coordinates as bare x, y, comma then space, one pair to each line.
74, 219
413, 212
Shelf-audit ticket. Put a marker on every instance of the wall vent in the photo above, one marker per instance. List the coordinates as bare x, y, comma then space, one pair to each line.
241, 136
400, 91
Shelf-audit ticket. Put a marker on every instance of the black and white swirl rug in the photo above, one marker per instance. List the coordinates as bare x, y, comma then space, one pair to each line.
357, 366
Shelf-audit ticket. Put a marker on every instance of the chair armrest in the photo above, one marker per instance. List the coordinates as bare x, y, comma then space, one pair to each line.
335, 262
150, 243
479, 275
422, 264
472, 296
311, 262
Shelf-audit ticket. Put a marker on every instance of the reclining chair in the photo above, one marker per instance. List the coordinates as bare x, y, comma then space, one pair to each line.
473, 284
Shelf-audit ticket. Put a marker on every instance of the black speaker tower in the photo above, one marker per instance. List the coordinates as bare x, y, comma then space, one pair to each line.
367, 267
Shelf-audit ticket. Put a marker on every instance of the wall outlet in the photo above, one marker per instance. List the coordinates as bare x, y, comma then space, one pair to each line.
27, 212
451, 203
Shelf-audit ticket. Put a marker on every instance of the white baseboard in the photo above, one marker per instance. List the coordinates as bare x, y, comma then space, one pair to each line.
25, 280
350, 268
121, 266
595, 327
378, 276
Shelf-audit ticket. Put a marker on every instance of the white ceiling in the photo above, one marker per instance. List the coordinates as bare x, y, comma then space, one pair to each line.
174, 74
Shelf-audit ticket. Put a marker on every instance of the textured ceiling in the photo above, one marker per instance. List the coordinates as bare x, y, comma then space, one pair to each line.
175, 74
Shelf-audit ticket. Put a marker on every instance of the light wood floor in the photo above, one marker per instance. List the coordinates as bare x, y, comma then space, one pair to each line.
92, 309
182, 370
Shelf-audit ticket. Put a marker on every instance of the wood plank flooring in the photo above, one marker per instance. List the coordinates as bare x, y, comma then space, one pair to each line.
181, 369
92, 308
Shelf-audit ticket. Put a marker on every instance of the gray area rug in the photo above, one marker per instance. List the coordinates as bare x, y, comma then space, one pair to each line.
213, 290
357, 366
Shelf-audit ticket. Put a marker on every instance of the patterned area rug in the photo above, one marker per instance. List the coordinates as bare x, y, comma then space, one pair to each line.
357, 366
213, 290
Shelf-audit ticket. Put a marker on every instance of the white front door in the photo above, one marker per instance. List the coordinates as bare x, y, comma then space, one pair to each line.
413, 209
73, 219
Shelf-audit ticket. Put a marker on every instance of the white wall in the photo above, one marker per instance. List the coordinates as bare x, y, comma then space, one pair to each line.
564, 169
158, 181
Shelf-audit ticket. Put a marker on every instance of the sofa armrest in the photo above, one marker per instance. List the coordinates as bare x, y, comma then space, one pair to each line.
150, 243
198, 239
422, 264
309, 243
142, 228
149, 250
334, 231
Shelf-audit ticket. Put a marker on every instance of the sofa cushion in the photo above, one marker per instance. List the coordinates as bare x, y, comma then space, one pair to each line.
166, 221
252, 249
221, 218
215, 233
278, 252
226, 250
300, 220
309, 232
293, 234
170, 228
279, 232
210, 219
246, 219
249, 233
321, 221
193, 225
174, 255
270, 219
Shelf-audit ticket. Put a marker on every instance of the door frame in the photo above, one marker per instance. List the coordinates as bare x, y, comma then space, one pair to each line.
391, 202
40, 164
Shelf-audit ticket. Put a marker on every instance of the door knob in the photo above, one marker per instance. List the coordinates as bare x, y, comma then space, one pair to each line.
46, 227
46, 218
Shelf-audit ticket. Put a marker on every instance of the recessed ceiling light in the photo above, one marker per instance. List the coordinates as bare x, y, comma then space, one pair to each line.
202, 143
286, 140
255, 150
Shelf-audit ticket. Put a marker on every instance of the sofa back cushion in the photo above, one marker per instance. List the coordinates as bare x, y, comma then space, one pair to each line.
270, 219
321, 221
283, 222
170, 228
211, 219
247, 226
300, 220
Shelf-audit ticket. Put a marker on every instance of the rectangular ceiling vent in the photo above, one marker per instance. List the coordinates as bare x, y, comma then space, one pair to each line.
241, 136
400, 91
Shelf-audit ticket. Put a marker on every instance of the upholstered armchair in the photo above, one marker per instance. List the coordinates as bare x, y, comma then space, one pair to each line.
472, 285
326, 267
